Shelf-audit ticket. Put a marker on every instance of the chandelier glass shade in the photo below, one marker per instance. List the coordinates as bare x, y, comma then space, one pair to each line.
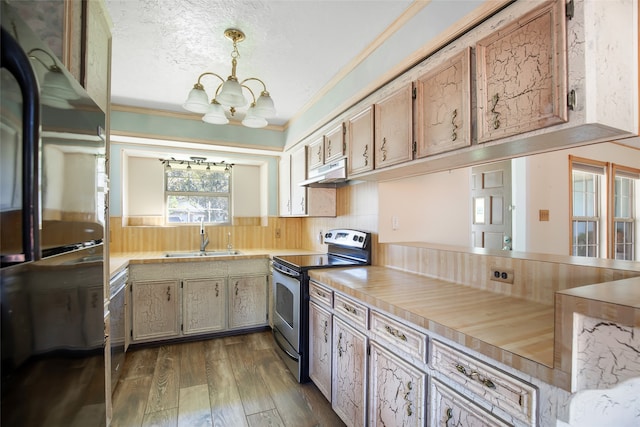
230, 93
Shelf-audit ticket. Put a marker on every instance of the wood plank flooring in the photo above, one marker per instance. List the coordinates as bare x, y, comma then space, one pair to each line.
229, 381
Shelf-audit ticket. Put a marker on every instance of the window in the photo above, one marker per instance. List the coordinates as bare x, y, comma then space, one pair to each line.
624, 215
197, 194
586, 179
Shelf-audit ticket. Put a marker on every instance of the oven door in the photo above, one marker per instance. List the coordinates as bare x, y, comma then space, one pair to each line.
286, 310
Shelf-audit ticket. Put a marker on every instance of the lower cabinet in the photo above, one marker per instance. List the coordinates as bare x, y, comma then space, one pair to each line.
349, 395
375, 371
448, 408
188, 299
396, 390
247, 301
156, 309
320, 327
203, 305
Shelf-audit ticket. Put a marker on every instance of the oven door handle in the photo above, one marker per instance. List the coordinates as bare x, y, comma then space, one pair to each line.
291, 274
275, 338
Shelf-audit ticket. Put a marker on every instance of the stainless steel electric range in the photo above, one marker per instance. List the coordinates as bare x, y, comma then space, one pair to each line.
346, 248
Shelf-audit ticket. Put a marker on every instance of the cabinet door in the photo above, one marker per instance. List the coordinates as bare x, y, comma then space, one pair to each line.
522, 74
360, 137
93, 315
284, 185
393, 128
155, 309
396, 390
443, 107
334, 144
298, 174
247, 301
98, 53
57, 319
448, 408
203, 305
320, 348
349, 376
315, 154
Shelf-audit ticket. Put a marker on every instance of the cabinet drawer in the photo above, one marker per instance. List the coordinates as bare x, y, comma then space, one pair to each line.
399, 335
510, 394
321, 294
349, 309
452, 409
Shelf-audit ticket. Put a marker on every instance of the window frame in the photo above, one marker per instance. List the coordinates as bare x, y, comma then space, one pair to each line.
634, 175
212, 169
599, 169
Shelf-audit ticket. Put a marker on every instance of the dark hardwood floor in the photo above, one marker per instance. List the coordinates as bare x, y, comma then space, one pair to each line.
228, 381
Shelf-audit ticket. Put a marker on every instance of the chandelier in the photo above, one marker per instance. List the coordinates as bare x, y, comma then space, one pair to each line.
229, 93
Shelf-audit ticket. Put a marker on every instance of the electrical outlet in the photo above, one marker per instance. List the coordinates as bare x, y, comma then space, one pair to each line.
277, 233
501, 275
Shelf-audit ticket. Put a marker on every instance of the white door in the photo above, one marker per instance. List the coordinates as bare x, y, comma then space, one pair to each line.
491, 204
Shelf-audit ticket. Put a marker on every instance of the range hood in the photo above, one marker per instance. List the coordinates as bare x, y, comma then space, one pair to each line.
330, 175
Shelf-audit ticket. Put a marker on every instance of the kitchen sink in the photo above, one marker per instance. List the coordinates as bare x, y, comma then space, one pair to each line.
200, 253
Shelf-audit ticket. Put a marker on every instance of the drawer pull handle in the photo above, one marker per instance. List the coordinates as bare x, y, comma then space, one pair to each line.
340, 350
454, 126
217, 290
496, 114
383, 149
395, 333
168, 293
350, 309
321, 294
407, 399
475, 376
449, 415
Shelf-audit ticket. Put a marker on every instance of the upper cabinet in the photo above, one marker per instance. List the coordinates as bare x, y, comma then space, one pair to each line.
298, 174
443, 107
360, 138
315, 154
535, 76
393, 128
522, 74
97, 55
334, 144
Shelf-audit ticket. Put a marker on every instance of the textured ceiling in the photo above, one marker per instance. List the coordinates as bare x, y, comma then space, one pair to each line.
296, 47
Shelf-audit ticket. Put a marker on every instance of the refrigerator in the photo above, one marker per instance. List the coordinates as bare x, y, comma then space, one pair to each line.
52, 217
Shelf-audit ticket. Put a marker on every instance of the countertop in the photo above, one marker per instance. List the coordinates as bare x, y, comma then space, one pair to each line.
120, 260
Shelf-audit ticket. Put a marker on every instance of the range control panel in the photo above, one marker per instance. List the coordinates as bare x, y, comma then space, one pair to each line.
347, 237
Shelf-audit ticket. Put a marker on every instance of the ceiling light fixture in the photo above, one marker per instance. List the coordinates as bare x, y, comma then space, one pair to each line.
198, 161
229, 93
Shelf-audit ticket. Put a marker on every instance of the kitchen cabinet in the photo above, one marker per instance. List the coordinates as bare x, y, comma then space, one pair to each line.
522, 74
204, 305
327, 148
360, 141
93, 309
316, 154
298, 174
396, 390
156, 309
443, 107
449, 408
320, 348
334, 145
284, 185
303, 201
98, 53
247, 301
349, 394
393, 128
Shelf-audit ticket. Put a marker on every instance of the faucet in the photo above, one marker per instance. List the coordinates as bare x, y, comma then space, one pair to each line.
204, 237
229, 245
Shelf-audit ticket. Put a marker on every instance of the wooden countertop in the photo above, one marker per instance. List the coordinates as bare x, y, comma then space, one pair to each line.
120, 260
625, 292
517, 332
